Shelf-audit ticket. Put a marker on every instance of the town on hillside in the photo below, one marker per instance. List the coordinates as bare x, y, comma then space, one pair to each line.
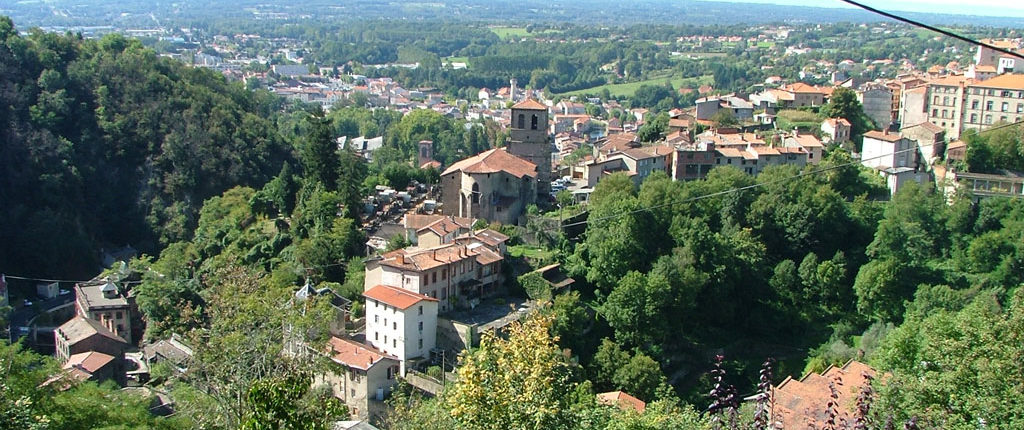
478, 238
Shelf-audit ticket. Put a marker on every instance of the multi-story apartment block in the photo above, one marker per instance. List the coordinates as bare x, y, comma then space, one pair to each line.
105, 303
454, 273
945, 98
1000, 99
401, 323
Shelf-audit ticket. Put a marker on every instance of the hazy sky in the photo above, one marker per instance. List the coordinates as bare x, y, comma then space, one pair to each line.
1006, 8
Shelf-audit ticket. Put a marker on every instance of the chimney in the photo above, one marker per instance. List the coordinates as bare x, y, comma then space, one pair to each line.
796, 132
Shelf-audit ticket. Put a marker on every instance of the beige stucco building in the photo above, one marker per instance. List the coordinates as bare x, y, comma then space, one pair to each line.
361, 376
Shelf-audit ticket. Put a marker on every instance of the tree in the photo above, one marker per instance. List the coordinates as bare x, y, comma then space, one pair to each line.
654, 129
843, 103
724, 118
287, 403
949, 368
524, 382
319, 152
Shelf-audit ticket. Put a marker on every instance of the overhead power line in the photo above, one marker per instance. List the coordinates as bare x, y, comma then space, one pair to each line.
932, 28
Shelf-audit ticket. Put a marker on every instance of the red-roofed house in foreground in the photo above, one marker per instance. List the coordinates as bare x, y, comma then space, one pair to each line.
362, 376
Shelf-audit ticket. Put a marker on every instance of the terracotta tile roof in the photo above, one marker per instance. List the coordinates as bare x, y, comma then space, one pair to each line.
790, 150
838, 121
88, 362
729, 152
530, 104
1007, 81
800, 87
354, 354
807, 141
801, 403
80, 328
952, 80
395, 297
431, 163
985, 69
764, 150
487, 236
418, 259
956, 144
494, 161
447, 225
881, 135
418, 221
622, 401
619, 142
646, 152
928, 126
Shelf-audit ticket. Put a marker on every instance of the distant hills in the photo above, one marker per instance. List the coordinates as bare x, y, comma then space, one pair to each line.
150, 14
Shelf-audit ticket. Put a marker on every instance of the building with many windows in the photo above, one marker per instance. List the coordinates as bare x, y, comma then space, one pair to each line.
945, 98
401, 323
1000, 99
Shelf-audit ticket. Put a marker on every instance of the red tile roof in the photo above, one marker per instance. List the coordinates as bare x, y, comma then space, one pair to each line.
1010, 81
622, 401
89, 362
354, 354
881, 135
802, 403
530, 104
494, 161
395, 297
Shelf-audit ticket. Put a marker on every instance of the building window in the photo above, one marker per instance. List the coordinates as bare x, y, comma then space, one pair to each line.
945, 113
1006, 107
974, 117
974, 104
421, 325
533, 122
935, 100
421, 344
421, 309
376, 318
945, 100
444, 274
476, 194
394, 325
376, 336
434, 277
394, 343
522, 121
1020, 107
988, 119
935, 112
988, 105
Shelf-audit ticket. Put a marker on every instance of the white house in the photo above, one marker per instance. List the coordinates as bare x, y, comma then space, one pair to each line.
401, 323
883, 150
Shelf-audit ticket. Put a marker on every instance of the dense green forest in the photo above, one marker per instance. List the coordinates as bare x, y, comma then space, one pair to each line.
106, 144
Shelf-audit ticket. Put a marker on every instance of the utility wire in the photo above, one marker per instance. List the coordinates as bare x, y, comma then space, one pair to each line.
932, 28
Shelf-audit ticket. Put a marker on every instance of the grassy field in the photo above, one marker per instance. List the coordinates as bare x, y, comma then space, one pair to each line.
789, 118
518, 32
627, 90
449, 60
530, 252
